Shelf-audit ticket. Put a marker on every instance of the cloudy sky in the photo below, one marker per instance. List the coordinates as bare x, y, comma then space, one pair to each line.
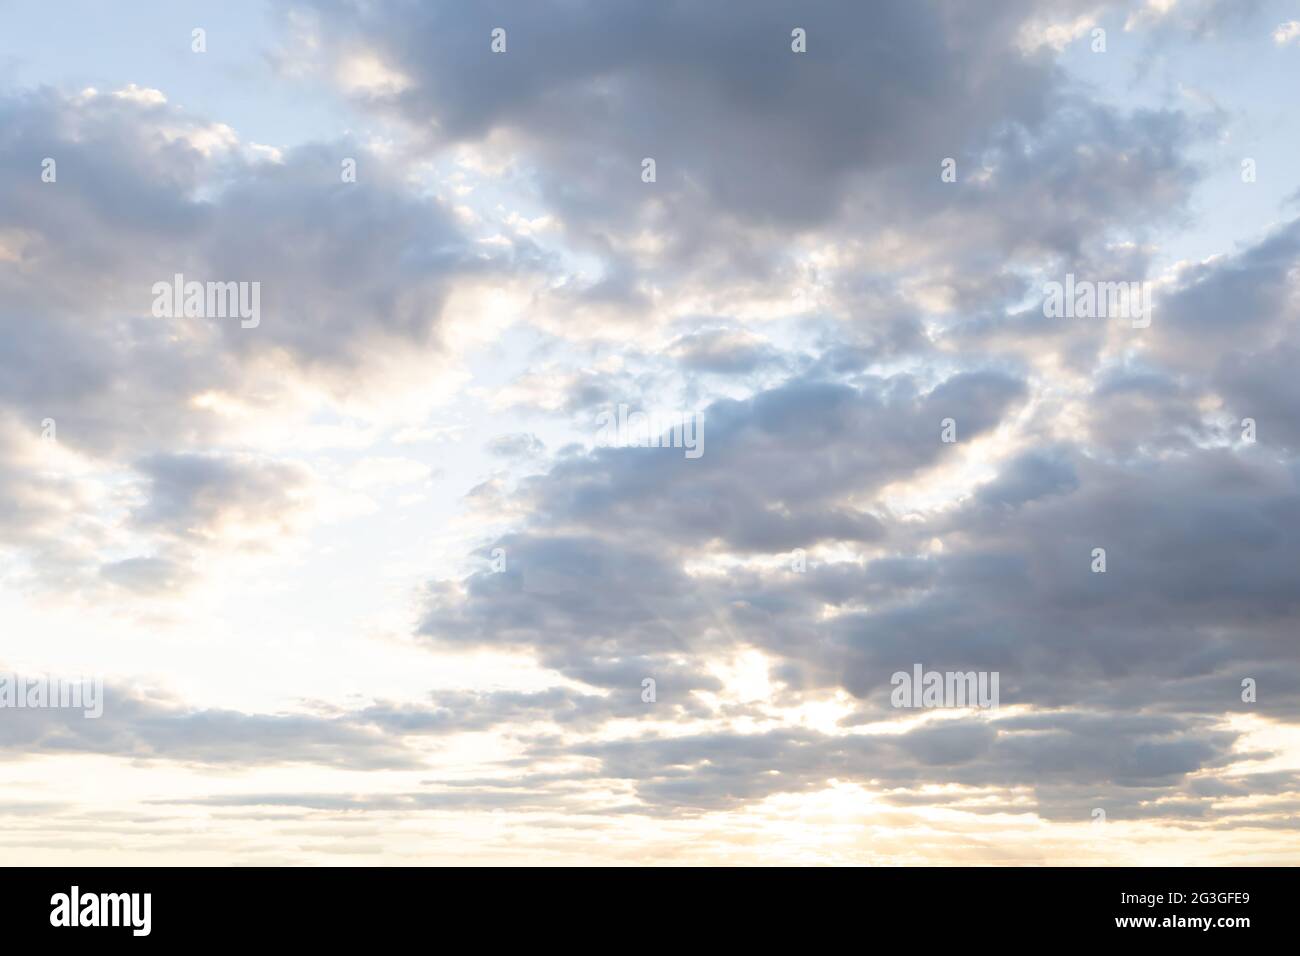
366, 582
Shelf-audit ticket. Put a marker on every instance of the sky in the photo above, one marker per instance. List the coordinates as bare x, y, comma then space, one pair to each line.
367, 578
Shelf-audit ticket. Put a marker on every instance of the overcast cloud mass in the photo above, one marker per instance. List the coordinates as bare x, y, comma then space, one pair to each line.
368, 575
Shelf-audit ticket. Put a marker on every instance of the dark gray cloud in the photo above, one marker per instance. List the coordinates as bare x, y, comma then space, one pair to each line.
347, 271
381, 735
801, 448
756, 145
1057, 753
773, 474
1127, 671
1031, 476
147, 728
189, 493
351, 275
796, 125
